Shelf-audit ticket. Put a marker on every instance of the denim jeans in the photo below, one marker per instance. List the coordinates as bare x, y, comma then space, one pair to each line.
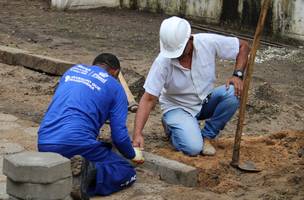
184, 130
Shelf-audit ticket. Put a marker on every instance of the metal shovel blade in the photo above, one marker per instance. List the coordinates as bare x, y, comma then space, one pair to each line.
248, 166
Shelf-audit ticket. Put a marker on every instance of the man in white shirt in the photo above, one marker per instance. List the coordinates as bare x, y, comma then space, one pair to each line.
182, 77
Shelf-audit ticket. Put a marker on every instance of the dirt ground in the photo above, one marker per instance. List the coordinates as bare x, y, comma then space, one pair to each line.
273, 134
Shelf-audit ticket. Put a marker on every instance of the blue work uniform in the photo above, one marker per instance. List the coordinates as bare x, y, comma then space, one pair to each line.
85, 98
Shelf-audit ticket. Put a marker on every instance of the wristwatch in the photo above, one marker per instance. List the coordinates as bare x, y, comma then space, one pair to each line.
238, 73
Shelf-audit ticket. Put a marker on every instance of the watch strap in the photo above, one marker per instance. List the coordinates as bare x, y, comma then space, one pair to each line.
238, 73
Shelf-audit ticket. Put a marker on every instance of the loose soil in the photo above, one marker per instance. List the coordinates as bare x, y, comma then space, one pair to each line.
273, 134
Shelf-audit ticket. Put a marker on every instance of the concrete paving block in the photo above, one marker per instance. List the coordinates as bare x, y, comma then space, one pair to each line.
7, 118
2, 178
33, 131
171, 171
58, 67
10, 197
14, 56
3, 194
43, 63
1, 166
148, 197
8, 54
36, 167
10, 148
52, 191
6, 149
5, 126
13, 198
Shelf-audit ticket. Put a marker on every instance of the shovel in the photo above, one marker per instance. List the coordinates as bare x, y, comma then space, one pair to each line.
248, 166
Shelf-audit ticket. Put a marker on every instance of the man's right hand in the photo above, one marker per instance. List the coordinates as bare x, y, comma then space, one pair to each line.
139, 157
138, 141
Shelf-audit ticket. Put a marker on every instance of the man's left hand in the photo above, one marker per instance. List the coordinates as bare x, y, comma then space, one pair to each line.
238, 85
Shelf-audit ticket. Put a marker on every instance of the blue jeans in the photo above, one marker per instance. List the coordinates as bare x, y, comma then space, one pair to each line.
183, 129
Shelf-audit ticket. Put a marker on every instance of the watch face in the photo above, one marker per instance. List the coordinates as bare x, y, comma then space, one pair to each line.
239, 73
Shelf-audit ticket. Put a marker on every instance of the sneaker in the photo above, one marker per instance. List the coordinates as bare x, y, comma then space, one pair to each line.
208, 150
81, 182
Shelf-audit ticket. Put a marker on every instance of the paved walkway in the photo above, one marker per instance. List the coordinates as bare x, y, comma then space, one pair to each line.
17, 135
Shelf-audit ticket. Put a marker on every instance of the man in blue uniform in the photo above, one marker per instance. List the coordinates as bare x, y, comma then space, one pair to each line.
86, 97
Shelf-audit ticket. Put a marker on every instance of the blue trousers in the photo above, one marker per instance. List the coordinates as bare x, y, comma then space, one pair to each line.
114, 173
184, 130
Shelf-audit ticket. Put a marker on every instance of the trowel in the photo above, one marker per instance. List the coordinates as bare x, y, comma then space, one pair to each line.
248, 166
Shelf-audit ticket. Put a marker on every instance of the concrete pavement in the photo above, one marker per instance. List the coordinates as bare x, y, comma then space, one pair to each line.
148, 185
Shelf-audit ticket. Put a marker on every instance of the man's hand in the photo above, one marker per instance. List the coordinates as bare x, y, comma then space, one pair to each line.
240, 64
139, 157
138, 141
238, 85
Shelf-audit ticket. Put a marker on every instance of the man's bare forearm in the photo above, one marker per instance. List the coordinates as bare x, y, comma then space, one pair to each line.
242, 57
146, 104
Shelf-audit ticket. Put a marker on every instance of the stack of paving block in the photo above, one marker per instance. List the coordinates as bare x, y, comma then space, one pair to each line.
36, 175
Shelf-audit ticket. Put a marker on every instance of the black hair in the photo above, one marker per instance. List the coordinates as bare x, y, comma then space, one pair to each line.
108, 59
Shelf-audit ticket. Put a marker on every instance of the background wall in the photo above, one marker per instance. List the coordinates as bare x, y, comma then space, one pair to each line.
285, 17
288, 18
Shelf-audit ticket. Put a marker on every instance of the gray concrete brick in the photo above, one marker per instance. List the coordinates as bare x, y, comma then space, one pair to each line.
2, 178
171, 171
10, 197
13, 198
14, 56
52, 191
3, 194
33, 131
6, 149
10, 148
36, 167
54, 66
5, 126
8, 55
43, 63
7, 117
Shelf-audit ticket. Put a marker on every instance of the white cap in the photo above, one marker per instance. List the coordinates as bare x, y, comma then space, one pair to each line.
174, 34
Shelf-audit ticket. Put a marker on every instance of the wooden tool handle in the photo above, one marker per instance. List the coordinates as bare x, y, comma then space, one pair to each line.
133, 105
249, 70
